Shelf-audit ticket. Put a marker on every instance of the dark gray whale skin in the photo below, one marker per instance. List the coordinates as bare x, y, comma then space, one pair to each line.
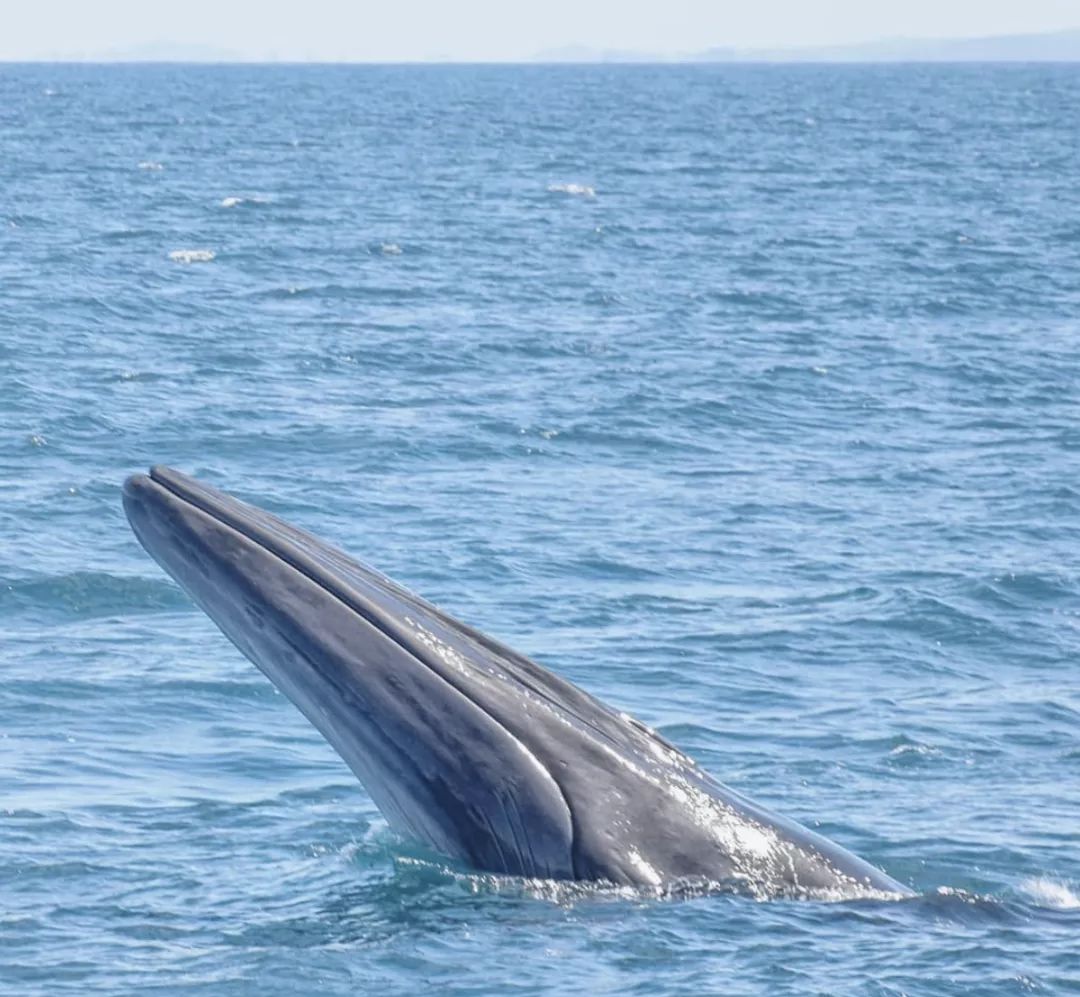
465, 745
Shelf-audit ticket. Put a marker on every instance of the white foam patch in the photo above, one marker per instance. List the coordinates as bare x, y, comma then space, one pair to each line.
192, 255
914, 749
235, 201
391, 249
577, 189
149, 164
1051, 893
568, 893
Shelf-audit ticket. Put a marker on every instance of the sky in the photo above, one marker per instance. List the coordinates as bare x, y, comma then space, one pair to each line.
496, 30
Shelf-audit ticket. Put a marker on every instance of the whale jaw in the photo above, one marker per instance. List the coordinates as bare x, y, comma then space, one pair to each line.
465, 745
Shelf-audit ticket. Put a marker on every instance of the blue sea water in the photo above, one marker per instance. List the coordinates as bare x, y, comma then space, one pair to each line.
748, 398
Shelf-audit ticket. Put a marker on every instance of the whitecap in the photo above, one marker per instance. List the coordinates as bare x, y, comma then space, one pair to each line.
909, 748
391, 249
192, 255
150, 164
1051, 893
578, 189
234, 201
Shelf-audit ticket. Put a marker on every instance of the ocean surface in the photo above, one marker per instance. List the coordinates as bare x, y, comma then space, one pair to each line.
748, 398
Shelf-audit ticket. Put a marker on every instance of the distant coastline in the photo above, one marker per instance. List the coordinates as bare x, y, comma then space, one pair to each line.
1054, 46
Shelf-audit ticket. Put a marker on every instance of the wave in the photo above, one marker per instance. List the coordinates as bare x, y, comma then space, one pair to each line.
86, 594
1051, 893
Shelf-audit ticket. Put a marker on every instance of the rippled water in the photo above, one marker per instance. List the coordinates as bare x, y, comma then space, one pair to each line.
747, 398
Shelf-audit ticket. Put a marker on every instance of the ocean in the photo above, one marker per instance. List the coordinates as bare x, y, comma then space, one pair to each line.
745, 397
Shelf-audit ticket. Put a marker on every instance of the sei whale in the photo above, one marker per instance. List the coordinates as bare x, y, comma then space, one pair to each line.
466, 746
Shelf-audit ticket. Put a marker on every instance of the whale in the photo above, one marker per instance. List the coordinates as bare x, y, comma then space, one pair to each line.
468, 748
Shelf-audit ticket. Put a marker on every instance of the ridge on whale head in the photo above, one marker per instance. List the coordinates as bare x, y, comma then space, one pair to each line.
465, 745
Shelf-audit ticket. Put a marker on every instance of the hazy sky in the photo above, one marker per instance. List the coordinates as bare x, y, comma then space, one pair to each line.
498, 29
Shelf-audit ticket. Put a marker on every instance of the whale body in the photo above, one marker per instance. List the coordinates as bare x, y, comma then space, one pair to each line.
466, 746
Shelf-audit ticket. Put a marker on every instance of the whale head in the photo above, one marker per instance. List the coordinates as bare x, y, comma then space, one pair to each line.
465, 745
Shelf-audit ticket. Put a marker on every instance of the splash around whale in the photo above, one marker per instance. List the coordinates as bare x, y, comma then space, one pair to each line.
466, 746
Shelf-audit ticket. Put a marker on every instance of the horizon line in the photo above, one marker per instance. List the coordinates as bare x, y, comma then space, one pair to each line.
671, 63
896, 49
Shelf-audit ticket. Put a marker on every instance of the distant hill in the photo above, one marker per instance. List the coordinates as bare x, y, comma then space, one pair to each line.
1056, 46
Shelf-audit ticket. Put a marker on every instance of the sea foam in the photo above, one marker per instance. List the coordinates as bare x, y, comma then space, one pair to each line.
1051, 893
192, 255
234, 201
577, 189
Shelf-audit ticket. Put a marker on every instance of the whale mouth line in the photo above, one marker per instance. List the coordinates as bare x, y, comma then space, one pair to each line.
278, 539
315, 561
325, 567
